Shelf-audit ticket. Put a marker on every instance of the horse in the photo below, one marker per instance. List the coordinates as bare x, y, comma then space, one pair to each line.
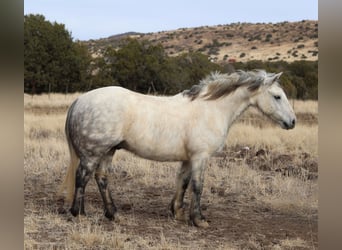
188, 127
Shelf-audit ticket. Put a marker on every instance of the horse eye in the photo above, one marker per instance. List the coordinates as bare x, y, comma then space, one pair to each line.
277, 97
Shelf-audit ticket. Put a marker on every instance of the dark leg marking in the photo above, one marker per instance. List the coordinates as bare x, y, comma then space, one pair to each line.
197, 187
109, 207
82, 177
182, 182
102, 183
196, 201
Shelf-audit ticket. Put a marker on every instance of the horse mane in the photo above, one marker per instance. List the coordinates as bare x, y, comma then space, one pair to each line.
217, 85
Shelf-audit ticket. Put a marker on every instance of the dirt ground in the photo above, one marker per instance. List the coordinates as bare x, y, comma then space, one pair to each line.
237, 221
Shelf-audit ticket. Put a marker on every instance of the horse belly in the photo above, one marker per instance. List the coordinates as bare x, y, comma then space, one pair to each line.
158, 150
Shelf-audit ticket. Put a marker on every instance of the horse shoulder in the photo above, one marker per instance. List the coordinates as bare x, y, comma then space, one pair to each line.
206, 130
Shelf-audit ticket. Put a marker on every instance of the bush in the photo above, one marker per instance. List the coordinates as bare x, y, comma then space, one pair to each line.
144, 67
52, 61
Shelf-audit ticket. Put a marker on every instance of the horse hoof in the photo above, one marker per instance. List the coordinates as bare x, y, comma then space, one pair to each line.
74, 212
200, 223
110, 212
117, 218
61, 210
180, 215
109, 215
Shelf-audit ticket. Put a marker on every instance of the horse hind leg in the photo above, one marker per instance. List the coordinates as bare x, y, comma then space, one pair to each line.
83, 174
101, 177
182, 182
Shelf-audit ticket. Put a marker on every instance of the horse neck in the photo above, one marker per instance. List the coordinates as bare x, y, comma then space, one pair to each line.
233, 105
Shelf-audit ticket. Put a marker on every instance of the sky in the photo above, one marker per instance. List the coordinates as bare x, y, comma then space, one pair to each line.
90, 19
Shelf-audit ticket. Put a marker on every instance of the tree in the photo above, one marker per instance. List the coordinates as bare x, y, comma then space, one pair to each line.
144, 67
194, 66
52, 60
136, 65
101, 75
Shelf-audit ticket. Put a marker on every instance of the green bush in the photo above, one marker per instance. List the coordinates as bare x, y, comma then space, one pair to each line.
52, 61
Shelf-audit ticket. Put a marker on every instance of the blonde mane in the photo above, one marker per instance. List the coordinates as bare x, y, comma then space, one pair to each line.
217, 85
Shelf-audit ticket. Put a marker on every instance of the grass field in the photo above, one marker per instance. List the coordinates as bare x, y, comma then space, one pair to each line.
261, 192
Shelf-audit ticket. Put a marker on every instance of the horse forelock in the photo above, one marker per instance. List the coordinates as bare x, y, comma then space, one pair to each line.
217, 85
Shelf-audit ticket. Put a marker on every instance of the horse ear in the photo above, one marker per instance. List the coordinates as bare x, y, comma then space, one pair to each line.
274, 78
277, 76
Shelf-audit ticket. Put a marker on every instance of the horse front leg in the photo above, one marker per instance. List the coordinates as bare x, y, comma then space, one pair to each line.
182, 182
197, 178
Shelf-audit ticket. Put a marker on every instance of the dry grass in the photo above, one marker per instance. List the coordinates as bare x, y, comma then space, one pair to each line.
306, 107
246, 205
49, 100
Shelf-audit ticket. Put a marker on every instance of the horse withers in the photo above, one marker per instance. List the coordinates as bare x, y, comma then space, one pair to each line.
188, 127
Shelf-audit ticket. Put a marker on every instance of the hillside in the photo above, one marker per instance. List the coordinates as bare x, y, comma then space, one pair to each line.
288, 41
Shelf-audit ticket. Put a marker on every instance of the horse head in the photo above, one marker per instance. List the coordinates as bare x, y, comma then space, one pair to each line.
271, 100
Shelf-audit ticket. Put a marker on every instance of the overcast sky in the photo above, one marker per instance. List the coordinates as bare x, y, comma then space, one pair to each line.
90, 19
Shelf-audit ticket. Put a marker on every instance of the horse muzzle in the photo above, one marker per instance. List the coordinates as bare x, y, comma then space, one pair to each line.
289, 125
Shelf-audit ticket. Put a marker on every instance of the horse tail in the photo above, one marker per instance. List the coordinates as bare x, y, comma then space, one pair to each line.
67, 187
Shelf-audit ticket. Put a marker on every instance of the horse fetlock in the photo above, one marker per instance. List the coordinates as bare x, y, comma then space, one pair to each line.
177, 211
180, 215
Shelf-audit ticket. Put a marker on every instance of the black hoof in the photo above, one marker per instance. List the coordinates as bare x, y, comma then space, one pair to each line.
61, 210
109, 213
76, 212
171, 209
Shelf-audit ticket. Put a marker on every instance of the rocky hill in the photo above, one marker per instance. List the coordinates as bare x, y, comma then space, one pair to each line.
288, 41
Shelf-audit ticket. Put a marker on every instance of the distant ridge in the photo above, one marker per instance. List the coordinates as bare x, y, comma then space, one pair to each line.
125, 35
288, 41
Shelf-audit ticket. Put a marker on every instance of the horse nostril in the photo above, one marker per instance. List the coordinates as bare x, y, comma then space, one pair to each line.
293, 122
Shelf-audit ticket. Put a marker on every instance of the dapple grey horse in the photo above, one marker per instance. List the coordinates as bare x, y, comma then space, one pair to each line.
188, 127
